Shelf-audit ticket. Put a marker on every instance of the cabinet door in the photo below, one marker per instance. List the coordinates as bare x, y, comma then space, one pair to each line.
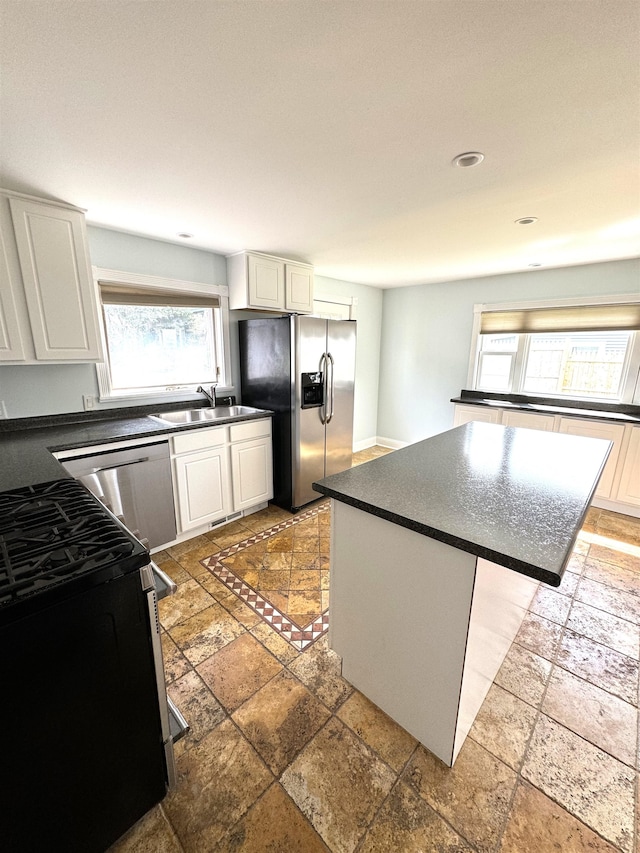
298, 288
598, 429
56, 275
202, 487
266, 282
252, 473
629, 488
514, 418
466, 414
11, 348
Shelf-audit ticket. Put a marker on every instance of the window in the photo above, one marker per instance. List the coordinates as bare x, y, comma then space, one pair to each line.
161, 337
589, 352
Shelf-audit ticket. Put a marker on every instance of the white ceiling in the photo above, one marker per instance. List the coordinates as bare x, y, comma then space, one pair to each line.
325, 130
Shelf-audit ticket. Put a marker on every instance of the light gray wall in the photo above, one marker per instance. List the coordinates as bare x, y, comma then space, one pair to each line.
426, 337
31, 390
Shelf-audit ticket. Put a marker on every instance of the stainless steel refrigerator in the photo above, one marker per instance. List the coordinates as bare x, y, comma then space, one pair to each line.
303, 369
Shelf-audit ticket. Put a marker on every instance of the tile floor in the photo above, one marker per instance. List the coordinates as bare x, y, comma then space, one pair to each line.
284, 756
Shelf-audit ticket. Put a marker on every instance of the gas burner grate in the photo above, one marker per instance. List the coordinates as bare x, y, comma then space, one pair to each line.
52, 533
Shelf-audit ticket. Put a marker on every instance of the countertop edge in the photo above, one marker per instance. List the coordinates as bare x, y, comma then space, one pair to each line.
540, 574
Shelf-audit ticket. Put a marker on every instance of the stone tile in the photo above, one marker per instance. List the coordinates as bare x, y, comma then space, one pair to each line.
473, 796
279, 719
569, 584
310, 544
391, 742
218, 780
274, 823
320, 669
192, 560
618, 526
504, 725
197, 705
407, 824
617, 576
277, 580
278, 646
205, 633
277, 561
181, 548
305, 561
524, 674
550, 605
305, 579
172, 568
190, 598
600, 665
598, 789
581, 547
626, 605
592, 713
539, 635
214, 587
538, 824
605, 628
237, 608
280, 541
151, 834
615, 556
175, 663
238, 670
218, 539
304, 605
591, 519
338, 783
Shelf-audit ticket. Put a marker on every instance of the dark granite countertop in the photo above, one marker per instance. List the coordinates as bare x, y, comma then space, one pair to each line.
626, 413
25, 449
516, 497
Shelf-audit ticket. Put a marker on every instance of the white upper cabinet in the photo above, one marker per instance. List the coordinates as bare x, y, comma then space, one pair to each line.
46, 270
298, 288
11, 348
266, 283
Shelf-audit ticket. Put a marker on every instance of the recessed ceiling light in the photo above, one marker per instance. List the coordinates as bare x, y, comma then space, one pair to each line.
469, 158
526, 220
185, 236
535, 265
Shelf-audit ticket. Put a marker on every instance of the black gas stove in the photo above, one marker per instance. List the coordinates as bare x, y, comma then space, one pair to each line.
90, 749
52, 534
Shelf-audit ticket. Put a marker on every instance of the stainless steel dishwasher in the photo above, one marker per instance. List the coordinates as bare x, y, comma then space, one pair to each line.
134, 482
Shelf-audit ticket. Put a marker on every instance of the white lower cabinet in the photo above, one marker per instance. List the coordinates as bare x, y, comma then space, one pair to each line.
251, 470
466, 414
202, 481
629, 486
619, 486
598, 429
514, 418
221, 471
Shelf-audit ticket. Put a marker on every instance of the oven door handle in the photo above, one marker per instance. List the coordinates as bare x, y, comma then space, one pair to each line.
163, 583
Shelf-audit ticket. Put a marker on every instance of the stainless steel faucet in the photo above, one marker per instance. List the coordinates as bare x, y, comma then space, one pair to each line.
210, 395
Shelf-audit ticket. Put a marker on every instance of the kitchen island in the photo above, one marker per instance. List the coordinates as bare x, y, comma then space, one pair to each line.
436, 552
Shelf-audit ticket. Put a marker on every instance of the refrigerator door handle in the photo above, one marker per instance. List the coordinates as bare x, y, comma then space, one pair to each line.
332, 389
323, 366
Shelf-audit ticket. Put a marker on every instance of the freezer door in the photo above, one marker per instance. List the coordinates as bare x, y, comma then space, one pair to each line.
341, 347
310, 341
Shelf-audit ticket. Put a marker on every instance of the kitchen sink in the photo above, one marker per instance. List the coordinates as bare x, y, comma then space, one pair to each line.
194, 416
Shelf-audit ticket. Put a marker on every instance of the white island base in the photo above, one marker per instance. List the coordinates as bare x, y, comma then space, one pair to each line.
422, 627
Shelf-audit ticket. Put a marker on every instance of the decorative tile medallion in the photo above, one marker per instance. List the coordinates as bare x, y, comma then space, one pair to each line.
298, 629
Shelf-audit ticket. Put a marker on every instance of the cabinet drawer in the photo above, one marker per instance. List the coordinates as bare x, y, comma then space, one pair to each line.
199, 439
250, 429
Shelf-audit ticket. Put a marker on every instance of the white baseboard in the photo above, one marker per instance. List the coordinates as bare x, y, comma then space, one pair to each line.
365, 444
391, 443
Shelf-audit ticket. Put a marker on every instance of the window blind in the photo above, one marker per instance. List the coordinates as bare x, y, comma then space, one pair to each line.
571, 318
122, 294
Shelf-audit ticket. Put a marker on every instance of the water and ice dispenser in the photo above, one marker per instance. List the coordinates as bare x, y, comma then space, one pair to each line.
312, 388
